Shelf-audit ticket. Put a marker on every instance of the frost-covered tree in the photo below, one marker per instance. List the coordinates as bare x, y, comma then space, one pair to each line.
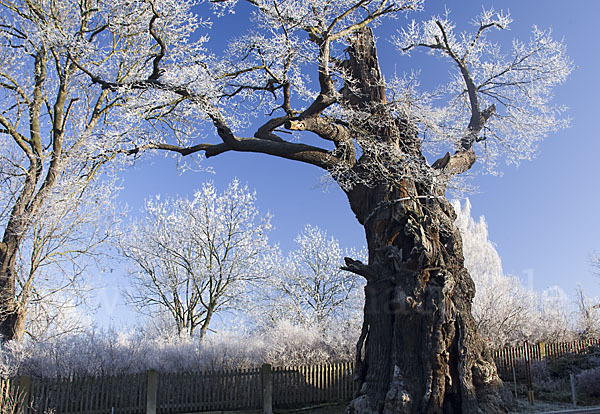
57, 129
63, 247
553, 321
312, 68
194, 258
60, 243
505, 310
588, 315
310, 289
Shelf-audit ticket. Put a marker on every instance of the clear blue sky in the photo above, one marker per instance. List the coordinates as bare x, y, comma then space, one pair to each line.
542, 215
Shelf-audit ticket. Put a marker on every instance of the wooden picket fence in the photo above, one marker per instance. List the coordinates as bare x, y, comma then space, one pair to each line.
183, 392
209, 391
516, 357
313, 384
281, 387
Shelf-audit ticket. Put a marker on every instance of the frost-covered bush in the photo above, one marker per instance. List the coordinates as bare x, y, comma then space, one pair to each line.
289, 344
99, 353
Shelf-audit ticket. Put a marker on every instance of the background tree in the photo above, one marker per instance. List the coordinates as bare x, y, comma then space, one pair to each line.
588, 312
57, 128
51, 317
196, 258
62, 253
595, 262
418, 350
502, 307
310, 289
505, 310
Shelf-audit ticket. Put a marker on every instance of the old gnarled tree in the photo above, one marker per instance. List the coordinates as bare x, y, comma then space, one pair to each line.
419, 351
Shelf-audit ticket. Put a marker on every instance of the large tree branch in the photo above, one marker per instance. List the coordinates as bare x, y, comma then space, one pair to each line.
322, 127
266, 131
292, 151
329, 131
209, 149
464, 158
156, 72
273, 146
36, 104
462, 66
328, 94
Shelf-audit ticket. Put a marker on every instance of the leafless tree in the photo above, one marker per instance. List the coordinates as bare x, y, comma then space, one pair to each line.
195, 258
57, 129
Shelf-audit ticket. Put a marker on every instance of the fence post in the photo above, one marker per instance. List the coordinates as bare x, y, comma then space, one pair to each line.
528, 373
542, 346
515, 379
573, 393
151, 391
23, 391
267, 388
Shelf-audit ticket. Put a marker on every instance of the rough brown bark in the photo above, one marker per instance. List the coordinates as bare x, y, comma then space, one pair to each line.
419, 351
12, 317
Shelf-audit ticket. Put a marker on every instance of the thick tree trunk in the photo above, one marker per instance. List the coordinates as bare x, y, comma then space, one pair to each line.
419, 352
12, 317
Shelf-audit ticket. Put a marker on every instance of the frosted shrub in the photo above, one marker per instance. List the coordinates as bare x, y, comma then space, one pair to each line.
91, 353
288, 344
98, 353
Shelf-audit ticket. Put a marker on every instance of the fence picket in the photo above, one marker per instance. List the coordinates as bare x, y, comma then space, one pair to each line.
240, 389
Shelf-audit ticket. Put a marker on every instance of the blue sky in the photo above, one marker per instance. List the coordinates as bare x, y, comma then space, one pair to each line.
541, 215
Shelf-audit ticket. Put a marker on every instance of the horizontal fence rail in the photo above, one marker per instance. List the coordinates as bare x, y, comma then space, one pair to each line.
170, 393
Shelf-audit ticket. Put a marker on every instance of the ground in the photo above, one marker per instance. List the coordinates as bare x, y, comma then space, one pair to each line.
522, 406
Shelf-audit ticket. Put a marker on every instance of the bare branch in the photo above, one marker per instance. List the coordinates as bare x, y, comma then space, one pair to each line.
356, 266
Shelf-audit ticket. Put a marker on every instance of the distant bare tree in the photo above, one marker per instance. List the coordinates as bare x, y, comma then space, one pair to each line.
588, 313
309, 287
196, 258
